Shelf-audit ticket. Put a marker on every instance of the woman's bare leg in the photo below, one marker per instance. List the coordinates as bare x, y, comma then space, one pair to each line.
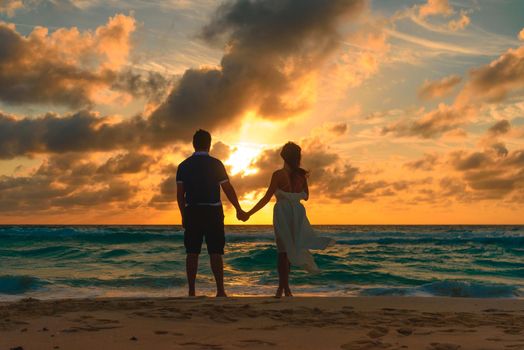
284, 268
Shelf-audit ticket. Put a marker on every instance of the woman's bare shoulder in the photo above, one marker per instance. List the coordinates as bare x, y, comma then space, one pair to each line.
278, 173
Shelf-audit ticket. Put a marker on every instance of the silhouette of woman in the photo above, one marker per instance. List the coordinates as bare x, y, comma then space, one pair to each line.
294, 235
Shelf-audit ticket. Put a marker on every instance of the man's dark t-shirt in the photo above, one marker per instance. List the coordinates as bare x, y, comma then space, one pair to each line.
201, 175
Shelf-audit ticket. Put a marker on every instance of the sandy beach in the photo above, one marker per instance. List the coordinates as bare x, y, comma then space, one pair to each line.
263, 323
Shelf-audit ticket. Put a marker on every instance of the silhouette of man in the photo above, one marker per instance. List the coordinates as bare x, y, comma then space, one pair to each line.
199, 179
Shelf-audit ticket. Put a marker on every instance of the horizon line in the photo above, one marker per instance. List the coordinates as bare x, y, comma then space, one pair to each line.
226, 225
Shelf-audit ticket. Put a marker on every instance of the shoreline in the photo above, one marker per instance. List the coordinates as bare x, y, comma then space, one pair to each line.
435, 323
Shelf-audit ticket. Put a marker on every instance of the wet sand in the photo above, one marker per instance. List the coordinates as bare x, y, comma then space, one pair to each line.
263, 323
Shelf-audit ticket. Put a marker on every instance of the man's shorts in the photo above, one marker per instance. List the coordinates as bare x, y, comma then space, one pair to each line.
204, 221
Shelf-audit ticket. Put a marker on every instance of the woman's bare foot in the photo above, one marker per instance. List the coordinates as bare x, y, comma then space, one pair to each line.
221, 295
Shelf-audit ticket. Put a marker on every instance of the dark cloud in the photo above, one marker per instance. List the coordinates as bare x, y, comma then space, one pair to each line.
432, 124
151, 85
221, 151
114, 191
500, 149
453, 187
68, 181
338, 129
490, 174
463, 161
167, 195
426, 163
500, 128
494, 81
79, 132
270, 46
129, 163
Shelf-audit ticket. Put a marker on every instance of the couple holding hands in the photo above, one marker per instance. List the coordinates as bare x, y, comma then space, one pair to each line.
199, 179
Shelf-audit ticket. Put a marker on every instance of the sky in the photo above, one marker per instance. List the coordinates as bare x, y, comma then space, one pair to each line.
407, 111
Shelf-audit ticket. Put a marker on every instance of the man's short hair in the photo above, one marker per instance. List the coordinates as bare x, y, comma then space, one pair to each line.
202, 139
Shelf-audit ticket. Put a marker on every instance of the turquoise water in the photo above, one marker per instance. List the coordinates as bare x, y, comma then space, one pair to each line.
87, 261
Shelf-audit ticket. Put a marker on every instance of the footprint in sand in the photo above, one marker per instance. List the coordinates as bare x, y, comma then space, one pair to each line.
204, 346
513, 331
365, 344
405, 331
443, 346
378, 332
161, 332
258, 342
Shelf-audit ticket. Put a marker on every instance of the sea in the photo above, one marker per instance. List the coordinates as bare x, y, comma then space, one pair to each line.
53, 262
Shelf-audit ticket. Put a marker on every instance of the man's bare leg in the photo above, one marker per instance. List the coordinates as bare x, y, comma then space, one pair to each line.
217, 265
191, 271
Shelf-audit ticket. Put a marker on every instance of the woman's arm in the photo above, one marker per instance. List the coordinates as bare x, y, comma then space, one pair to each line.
267, 197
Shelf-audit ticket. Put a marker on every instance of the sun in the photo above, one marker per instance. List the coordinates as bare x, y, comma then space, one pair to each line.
242, 158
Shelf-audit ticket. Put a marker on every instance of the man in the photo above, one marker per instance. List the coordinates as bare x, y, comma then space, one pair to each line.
199, 179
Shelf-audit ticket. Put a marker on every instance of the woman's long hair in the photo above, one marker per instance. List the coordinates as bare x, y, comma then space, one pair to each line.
291, 153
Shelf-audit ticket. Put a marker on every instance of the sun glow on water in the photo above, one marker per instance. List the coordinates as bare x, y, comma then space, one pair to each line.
242, 158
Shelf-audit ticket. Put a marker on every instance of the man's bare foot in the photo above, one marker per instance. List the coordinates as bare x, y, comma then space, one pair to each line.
279, 292
221, 295
288, 293
191, 293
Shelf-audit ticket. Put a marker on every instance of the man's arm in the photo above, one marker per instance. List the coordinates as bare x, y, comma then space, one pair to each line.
181, 199
232, 197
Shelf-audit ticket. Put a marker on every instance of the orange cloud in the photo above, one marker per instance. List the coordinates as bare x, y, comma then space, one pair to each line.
433, 123
69, 67
435, 7
458, 24
113, 41
491, 83
9, 7
439, 88
494, 81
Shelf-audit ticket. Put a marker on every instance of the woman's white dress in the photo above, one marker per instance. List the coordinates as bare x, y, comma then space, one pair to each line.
293, 232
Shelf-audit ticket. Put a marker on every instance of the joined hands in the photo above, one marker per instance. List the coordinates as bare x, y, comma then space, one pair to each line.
242, 215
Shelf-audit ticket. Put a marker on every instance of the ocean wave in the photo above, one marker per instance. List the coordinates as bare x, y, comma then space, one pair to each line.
14, 285
361, 278
506, 241
51, 252
115, 253
145, 282
94, 237
261, 259
468, 289
449, 288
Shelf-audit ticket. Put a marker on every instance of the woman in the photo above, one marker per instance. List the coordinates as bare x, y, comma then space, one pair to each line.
293, 232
